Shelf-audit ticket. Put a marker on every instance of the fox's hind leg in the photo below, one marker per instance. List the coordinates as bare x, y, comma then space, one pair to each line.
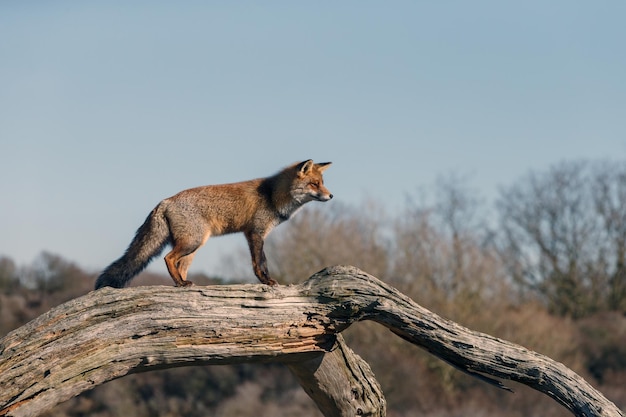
180, 258
183, 266
177, 267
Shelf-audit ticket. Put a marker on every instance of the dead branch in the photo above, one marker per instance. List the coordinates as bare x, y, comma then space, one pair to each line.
110, 333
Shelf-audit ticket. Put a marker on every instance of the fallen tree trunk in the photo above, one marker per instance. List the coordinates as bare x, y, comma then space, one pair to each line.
110, 333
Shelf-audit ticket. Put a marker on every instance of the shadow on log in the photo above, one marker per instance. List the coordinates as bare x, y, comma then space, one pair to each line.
110, 333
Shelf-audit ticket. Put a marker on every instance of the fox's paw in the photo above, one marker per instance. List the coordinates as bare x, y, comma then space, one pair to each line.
271, 282
184, 284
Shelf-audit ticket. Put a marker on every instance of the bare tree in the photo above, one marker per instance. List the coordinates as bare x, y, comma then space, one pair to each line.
8, 273
562, 233
609, 196
442, 245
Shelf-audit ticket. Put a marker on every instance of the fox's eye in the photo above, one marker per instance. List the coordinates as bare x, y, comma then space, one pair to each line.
315, 184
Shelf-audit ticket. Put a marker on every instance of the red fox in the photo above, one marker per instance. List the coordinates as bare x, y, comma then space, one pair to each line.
187, 219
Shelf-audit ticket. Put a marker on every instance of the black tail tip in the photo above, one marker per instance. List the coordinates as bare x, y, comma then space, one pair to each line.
107, 281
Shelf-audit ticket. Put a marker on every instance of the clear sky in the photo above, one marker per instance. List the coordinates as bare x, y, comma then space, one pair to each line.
107, 107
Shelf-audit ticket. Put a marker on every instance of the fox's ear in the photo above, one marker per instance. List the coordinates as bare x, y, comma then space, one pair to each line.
322, 166
304, 167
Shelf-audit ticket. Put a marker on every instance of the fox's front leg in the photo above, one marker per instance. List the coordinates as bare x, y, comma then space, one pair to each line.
259, 263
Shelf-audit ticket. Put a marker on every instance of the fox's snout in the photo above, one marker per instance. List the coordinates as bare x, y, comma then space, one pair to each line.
319, 192
324, 196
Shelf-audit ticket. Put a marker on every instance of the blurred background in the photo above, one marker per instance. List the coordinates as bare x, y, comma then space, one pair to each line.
479, 165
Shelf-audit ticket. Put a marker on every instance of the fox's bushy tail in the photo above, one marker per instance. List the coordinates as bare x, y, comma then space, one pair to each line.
148, 242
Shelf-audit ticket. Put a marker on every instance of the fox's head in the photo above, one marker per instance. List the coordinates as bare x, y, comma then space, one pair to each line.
310, 182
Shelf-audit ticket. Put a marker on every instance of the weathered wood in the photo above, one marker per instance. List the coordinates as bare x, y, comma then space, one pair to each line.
110, 333
341, 383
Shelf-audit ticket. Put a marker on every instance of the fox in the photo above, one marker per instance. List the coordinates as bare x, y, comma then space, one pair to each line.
188, 219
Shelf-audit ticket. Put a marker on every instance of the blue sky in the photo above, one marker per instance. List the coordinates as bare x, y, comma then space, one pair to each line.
108, 107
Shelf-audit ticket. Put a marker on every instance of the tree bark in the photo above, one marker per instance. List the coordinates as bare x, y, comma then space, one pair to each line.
110, 333
341, 383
